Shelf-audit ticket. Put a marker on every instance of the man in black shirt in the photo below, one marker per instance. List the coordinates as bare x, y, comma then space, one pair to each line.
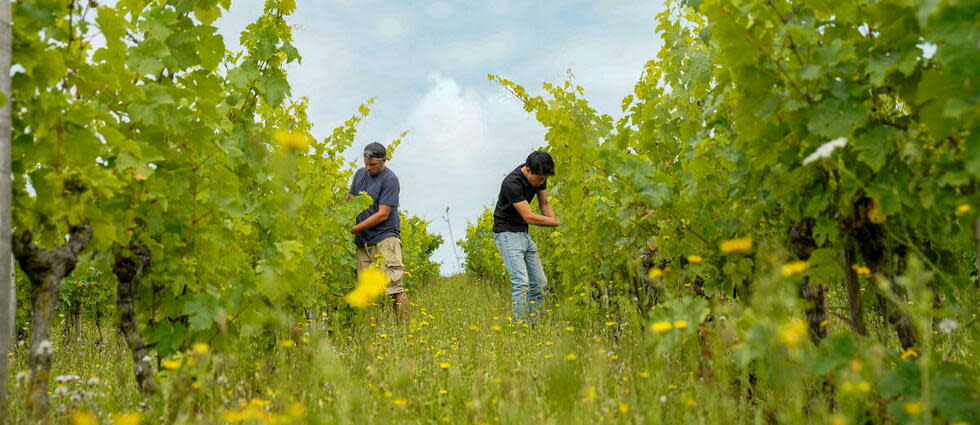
511, 218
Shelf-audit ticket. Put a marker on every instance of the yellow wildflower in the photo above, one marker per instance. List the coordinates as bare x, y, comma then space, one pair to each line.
400, 402
856, 365
571, 357
690, 402
444, 366
861, 270
913, 408
129, 418
792, 333
655, 272
291, 140
496, 328
910, 354
288, 343
171, 364
610, 323
794, 268
370, 284
963, 209
680, 324
200, 348
661, 326
443, 392
644, 374
80, 417
694, 259
736, 245
624, 408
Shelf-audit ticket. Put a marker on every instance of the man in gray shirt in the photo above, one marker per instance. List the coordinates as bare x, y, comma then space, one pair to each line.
378, 230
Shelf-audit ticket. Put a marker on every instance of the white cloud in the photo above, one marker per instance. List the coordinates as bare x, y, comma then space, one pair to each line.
448, 120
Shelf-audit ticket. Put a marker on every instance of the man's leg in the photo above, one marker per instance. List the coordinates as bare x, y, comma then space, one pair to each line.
537, 279
511, 247
364, 260
391, 251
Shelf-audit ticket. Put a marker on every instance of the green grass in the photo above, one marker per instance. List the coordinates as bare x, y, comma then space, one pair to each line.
462, 361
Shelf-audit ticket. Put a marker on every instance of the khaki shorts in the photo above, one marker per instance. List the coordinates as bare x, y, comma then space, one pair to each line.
389, 251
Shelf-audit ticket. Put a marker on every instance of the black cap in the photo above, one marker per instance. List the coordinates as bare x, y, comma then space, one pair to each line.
375, 150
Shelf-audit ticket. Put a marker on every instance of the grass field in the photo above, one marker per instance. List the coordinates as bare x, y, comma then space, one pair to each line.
460, 361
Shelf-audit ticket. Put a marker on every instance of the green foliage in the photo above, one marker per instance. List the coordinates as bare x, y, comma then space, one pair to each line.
417, 248
162, 135
482, 257
729, 133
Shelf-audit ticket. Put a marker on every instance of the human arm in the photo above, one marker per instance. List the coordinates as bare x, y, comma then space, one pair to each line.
384, 211
544, 205
530, 217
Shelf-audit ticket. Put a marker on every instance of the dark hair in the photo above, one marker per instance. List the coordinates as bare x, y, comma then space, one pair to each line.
375, 150
540, 163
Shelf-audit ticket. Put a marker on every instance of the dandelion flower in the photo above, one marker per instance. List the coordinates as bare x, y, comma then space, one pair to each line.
910, 354
861, 270
200, 348
288, 343
80, 417
129, 418
400, 402
963, 209
610, 323
294, 141
791, 334
444, 366
624, 408
171, 364
794, 268
947, 326
571, 357
655, 272
736, 245
694, 259
370, 284
913, 408
661, 326
680, 324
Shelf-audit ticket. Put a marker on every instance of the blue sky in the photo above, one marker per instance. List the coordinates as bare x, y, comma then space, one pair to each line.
426, 63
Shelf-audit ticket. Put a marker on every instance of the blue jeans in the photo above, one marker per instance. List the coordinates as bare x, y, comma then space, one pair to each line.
527, 277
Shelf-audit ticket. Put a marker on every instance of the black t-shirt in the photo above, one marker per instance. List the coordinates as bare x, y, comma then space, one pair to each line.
514, 189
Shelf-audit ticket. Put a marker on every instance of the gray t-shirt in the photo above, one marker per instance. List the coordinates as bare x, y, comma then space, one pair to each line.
384, 189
